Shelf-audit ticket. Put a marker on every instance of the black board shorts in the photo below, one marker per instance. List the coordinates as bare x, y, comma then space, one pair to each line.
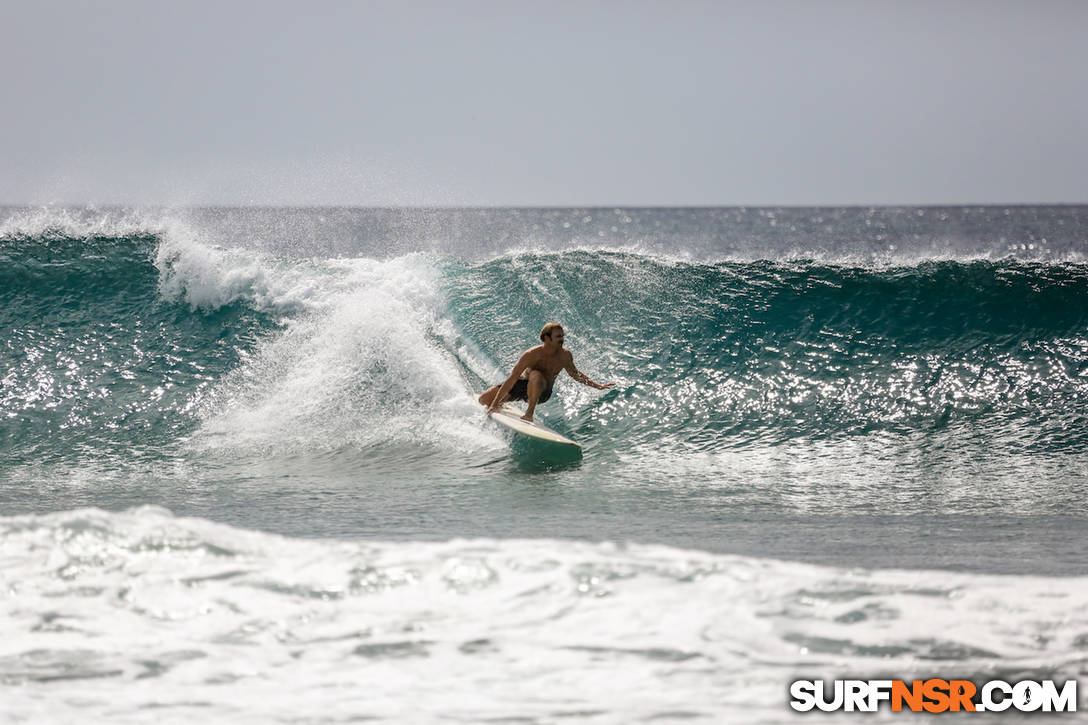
520, 391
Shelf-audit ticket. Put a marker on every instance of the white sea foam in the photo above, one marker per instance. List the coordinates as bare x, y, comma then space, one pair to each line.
81, 222
366, 354
139, 617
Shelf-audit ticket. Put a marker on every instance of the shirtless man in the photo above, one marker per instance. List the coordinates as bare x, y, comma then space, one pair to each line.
535, 373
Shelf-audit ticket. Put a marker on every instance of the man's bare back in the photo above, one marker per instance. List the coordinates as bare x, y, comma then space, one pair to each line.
534, 374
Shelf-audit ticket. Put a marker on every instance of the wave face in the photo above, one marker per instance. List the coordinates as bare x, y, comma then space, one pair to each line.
102, 352
729, 354
225, 362
138, 615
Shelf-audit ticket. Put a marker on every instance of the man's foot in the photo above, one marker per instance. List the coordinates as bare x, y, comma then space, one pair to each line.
527, 417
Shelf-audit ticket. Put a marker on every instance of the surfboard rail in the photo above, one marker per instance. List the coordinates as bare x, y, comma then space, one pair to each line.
509, 416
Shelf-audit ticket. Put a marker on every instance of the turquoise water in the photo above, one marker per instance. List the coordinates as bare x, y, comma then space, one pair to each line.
800, 393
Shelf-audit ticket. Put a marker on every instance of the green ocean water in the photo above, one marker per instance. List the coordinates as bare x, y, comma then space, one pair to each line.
897, 390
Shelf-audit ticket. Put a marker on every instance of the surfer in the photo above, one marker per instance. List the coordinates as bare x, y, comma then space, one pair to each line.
534, 375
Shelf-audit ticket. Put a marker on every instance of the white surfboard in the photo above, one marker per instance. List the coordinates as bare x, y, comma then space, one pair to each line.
510, 417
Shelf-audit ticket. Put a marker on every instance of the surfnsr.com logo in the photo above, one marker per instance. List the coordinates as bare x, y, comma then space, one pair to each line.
933, 695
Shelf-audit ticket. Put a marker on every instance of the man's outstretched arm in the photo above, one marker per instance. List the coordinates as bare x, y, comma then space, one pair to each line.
582, 377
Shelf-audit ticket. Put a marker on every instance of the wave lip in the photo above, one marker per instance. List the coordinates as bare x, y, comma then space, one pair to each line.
138, 595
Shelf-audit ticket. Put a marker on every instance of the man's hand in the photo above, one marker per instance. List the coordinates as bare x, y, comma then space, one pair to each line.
605, 386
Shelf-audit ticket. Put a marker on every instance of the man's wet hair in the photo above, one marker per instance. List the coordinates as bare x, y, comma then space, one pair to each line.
548, 329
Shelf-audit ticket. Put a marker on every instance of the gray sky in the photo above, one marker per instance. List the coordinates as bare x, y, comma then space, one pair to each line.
544, 103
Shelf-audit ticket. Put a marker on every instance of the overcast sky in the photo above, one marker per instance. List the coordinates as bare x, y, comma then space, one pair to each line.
544, 103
